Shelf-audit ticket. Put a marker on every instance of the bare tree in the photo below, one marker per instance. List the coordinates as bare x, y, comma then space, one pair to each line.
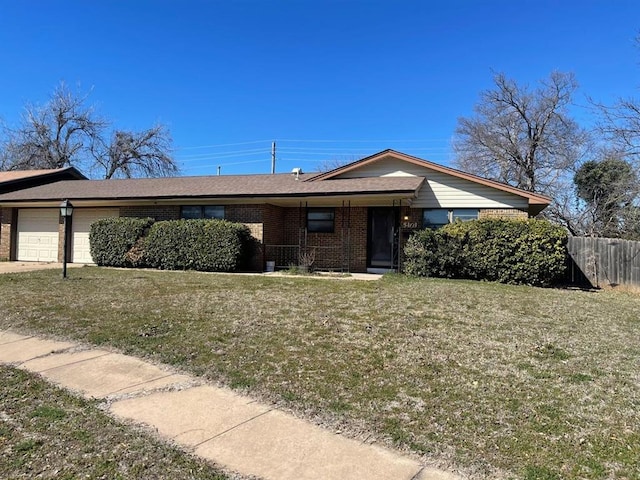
137, 154
67, 132
55, 135
336, 162
520, 136
620, 124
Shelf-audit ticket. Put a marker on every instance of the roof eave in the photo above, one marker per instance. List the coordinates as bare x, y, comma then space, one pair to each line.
534, 198
264, 196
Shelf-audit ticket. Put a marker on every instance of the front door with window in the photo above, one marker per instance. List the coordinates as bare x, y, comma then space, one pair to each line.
382, 237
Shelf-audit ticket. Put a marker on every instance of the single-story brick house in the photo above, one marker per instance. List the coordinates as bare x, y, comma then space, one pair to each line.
353, 218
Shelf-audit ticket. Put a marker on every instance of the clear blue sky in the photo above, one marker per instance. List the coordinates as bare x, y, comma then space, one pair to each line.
325, 79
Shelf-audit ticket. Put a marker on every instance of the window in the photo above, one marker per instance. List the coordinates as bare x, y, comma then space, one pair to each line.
202, 211
435, 217
320, 220
438, 217
464, 214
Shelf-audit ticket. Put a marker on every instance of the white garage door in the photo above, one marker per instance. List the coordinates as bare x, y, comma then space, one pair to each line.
81, 225
38, 234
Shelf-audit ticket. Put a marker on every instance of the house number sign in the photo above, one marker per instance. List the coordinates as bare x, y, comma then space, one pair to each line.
410, 225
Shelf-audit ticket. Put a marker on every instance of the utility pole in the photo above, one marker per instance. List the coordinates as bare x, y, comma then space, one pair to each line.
273, 157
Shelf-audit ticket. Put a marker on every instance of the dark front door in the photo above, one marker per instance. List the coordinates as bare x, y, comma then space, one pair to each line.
382, 245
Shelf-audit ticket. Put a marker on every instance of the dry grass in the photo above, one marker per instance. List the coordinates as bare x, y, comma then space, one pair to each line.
498, 381
48, 433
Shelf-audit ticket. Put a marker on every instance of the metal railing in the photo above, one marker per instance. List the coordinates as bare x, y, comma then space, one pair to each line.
319, 257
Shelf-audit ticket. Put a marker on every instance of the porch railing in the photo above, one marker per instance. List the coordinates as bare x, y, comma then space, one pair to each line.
324, 257
283, 255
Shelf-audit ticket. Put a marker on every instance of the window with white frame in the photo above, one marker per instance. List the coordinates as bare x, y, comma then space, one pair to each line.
438, 217
202, 211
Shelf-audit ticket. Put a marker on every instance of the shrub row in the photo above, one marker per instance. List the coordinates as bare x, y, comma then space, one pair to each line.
206, 245
531, 252
111, 240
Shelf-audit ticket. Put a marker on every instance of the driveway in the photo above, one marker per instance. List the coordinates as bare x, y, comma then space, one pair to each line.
17, 267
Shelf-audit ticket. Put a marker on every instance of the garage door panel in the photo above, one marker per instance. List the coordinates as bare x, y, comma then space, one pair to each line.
38, 234
81, 226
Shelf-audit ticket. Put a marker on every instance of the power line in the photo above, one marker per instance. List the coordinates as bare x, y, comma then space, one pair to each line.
368, 141
223, 154
222, 145
226, 164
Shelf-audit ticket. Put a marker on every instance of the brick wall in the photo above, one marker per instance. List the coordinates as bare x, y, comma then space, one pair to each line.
508, 213
273, 217
6, 229
358, 238
243, 213
251, 216
158, 212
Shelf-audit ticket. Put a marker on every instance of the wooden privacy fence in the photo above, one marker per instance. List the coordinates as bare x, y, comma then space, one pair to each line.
603, 261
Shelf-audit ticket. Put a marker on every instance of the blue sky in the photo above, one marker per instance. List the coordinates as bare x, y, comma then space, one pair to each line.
325, 79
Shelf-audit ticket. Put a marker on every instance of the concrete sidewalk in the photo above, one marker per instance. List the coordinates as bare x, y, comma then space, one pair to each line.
217, 424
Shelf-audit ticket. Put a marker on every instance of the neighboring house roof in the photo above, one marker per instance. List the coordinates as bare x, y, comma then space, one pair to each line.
225, 186
20, 179
534, 198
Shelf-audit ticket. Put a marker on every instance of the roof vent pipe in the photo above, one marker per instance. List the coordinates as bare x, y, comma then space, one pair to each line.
296, 171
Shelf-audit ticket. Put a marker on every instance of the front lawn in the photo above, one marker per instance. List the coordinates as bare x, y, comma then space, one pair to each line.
498, 381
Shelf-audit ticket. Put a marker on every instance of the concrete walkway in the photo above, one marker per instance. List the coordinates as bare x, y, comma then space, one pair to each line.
215, 423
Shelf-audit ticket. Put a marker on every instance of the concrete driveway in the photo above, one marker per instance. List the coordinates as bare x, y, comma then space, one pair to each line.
17, 267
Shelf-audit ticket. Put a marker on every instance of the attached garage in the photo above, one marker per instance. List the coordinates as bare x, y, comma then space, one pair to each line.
81, 226
37, 234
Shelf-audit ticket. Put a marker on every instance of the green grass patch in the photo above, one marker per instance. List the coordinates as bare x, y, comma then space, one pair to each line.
48, 433
500, 381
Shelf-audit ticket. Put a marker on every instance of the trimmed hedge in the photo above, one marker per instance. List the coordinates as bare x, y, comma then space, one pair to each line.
205, 245
113, 241
531, 252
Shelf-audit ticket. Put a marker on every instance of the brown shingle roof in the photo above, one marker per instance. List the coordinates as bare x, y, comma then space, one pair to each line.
13, 175
231, 186
19, 174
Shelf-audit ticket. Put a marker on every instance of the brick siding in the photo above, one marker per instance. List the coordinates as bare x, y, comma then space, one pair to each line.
6, 229
273, 217
251, 216
158, 212
507, 213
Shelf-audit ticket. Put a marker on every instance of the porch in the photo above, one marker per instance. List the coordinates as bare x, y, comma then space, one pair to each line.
351, 239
